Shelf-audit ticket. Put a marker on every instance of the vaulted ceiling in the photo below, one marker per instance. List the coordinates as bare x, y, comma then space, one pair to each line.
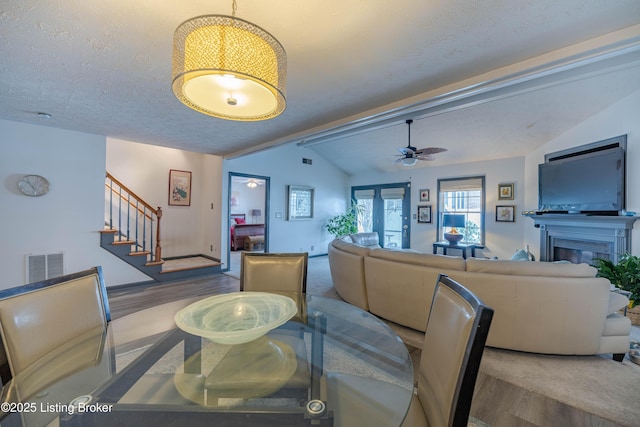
483, 79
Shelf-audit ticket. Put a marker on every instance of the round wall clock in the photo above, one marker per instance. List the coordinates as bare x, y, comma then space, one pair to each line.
33, 185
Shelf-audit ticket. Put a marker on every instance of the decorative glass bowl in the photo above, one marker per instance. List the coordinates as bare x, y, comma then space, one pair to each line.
236, 318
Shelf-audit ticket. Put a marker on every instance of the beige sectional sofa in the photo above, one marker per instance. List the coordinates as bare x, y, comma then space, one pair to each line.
539, 307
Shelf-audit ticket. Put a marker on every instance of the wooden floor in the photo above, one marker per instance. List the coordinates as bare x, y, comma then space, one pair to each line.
127, 300
496, 402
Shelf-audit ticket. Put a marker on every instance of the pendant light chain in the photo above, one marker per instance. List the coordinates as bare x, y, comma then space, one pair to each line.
234, 7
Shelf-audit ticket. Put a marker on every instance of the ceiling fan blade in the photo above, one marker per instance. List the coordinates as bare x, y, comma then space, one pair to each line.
427, 157
431, 150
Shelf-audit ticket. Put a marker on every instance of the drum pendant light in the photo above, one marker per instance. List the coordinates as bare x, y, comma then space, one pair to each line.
229, 68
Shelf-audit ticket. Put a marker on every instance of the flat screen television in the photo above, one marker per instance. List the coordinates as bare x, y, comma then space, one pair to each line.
591, 183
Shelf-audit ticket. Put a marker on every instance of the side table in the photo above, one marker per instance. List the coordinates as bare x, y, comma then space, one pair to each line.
460, 246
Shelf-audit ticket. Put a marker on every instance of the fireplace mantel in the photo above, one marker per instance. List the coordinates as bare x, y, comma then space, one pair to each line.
612, 230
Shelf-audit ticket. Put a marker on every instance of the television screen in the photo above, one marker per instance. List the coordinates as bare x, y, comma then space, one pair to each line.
593, 182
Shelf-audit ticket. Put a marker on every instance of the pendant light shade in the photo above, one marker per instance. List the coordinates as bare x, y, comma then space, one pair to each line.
229, 68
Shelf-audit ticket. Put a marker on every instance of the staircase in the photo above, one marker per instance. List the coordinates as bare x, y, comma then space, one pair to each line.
132, 233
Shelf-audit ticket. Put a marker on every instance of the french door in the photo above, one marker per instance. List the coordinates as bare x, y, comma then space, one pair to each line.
385, 209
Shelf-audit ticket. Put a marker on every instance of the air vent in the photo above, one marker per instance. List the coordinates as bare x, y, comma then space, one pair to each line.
307, 161
42, 267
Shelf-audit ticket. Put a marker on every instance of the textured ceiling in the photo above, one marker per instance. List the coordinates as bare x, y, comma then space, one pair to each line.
105, 68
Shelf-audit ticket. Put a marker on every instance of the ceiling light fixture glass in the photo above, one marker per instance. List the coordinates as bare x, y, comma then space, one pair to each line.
409, 161
229, 68
252, 184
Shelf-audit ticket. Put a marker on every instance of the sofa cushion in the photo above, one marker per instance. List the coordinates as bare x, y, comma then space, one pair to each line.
546, 269
350, 247
366, 239
617, 302
443, 262
616, 325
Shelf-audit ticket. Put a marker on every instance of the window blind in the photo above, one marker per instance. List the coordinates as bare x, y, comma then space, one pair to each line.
364, 194
464, 184
392, 193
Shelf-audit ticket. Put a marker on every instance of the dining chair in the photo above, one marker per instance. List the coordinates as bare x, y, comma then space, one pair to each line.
456, 332
454, 342
284, 274
37, 318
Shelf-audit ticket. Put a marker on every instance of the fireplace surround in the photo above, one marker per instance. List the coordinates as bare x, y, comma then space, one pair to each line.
583, 238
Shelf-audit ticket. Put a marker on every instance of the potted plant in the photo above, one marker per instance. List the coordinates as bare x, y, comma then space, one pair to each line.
624, 275
346, 223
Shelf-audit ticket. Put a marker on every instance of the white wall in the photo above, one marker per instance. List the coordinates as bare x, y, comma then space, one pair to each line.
67, 219
502, 238
284, 167
185, 230
619, 119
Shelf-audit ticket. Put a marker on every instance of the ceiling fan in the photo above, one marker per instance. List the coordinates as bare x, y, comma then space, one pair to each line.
410, 155
250, 182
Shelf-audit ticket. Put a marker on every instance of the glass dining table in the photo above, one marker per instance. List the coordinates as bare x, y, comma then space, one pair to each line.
333, 364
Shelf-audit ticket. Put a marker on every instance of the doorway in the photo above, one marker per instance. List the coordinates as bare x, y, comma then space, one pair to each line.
385, 209
248, 203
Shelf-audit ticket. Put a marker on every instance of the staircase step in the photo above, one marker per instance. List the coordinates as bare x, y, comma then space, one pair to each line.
124, 242
139, 253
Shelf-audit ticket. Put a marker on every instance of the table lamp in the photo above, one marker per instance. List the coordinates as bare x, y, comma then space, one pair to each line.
255, 213
453, 221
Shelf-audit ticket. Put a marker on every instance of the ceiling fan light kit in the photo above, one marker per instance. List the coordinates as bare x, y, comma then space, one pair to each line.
410, 155
229, 68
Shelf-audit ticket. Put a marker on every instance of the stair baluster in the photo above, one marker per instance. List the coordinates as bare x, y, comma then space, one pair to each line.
143, 213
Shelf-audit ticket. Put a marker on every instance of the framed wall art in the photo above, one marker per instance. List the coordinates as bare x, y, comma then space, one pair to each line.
299, 202
424, 214
424, 195
505, 191
179, 188
505, 213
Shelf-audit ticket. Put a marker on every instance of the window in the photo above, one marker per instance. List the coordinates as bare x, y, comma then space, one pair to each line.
463, 196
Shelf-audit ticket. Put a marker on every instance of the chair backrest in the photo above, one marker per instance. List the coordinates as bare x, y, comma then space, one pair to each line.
39, 317
455, 337
281, 273
274, 272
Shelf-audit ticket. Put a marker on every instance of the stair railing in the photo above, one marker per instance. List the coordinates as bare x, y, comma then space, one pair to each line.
130, 211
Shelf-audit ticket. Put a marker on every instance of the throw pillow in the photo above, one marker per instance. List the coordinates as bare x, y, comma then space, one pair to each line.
520, 255
240, 221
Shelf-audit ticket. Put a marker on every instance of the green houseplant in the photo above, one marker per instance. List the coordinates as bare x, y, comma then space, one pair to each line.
624, 275
346, 223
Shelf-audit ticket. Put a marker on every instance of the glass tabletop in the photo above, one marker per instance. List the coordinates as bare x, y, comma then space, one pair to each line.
329, 365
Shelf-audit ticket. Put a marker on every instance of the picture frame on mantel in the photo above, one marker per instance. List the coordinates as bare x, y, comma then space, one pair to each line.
505, 191
179, 188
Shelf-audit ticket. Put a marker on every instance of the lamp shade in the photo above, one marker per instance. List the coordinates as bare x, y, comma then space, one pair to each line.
256, 212
409, 161
453, 220
228, 68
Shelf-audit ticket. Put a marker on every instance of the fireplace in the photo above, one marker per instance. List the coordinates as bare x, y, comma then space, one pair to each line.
583, 238
579, 251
